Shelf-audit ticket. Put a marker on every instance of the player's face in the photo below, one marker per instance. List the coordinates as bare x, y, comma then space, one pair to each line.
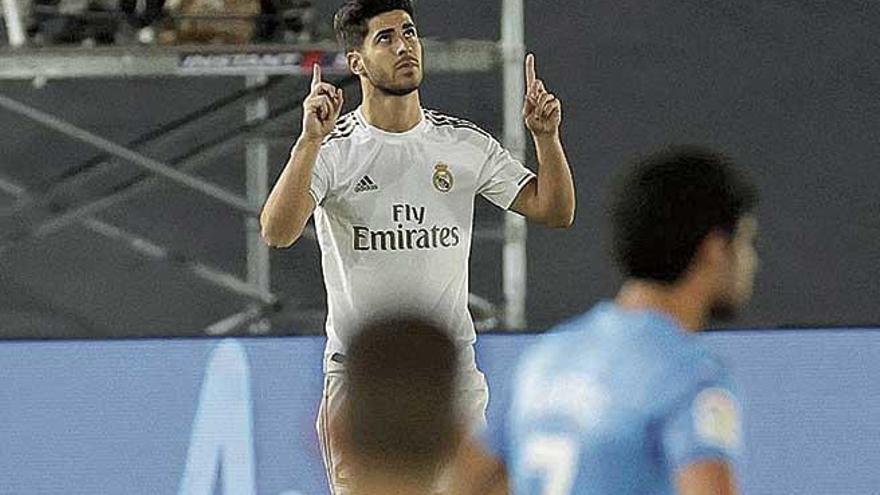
738, 277
391, 56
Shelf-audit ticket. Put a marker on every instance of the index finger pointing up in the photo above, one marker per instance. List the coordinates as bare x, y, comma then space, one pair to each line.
316, 75
530, 71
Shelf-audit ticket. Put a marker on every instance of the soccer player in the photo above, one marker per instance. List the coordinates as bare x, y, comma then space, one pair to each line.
399, 425
624, 399
392, 188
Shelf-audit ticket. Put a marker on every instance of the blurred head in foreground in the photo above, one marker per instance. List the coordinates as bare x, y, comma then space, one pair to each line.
683, 224
399, 421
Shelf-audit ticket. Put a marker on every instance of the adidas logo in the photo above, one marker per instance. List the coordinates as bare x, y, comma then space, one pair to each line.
365, 184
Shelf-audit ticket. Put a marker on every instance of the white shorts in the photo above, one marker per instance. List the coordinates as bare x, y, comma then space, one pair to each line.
473, 399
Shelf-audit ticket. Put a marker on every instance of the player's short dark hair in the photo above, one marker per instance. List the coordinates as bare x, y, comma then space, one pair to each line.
400, 411
668, 203
350, 21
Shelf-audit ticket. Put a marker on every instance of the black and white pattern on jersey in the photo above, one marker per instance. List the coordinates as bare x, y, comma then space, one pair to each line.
366, 184
443, 120
345, 127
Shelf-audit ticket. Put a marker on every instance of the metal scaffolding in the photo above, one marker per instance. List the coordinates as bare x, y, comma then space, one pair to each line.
255, 63
26, 63
14, 24
515, 232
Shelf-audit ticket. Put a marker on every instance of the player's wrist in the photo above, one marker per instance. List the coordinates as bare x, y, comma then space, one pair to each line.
546, 136
309, 139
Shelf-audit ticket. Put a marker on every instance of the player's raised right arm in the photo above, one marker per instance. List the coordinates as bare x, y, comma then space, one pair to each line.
289, 206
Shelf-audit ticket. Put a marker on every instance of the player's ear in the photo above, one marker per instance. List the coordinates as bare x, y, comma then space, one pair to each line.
355, 62
715, 251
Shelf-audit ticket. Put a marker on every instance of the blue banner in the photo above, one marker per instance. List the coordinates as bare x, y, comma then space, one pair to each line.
208, 417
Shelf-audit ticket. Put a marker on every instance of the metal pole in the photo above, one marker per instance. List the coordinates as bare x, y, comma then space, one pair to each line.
14, 25
76, 176
57, 222
141, 186
232, 323
11, 189
207, 273
257, 164
515, 232
150, 249
134, 157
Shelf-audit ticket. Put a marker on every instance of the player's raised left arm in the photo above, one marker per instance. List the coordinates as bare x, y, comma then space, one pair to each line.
550, 199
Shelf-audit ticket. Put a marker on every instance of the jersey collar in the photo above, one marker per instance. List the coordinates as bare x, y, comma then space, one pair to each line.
359, 115
659, 320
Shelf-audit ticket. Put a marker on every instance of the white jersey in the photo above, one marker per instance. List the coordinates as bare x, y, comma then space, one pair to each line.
394, 220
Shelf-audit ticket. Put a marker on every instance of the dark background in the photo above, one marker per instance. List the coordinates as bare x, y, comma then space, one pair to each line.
790, 89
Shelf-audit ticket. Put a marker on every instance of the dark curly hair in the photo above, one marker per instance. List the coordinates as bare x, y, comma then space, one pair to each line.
669, 202
350, 21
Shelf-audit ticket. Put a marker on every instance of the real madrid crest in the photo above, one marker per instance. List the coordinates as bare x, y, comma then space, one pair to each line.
443, 179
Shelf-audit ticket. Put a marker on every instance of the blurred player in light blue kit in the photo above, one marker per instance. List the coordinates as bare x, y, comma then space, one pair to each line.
624, 399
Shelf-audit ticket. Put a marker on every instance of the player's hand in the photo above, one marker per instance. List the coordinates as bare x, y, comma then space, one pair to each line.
321, 107
542, 110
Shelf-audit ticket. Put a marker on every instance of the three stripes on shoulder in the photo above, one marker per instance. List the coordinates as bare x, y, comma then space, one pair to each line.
347, 124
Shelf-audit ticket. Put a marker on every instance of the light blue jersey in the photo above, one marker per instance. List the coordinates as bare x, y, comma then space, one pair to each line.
614, 402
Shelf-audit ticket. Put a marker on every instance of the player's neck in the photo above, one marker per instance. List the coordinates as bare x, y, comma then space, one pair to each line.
391, 113
677, 302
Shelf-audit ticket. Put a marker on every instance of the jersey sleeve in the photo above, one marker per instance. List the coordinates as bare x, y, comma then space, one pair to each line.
705, 425
502, 176
322, 177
